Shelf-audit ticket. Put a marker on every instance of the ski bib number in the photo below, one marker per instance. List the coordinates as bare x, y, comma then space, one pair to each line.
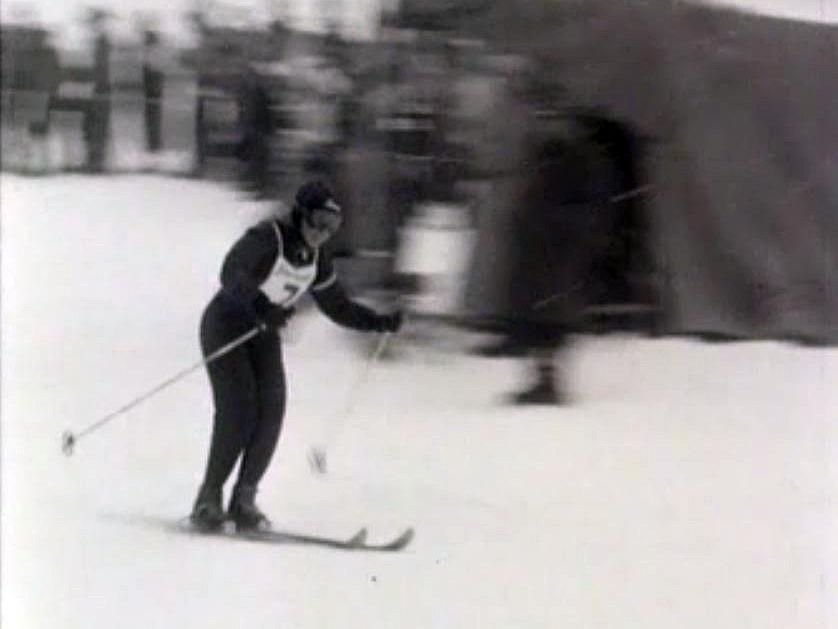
286, 284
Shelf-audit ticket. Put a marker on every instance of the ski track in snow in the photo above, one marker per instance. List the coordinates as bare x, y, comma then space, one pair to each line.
689, 485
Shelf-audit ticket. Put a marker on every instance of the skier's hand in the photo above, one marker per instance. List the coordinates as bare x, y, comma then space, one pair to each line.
276, 317
390, 322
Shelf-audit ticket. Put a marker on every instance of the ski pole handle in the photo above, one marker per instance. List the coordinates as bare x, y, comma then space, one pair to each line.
69, 439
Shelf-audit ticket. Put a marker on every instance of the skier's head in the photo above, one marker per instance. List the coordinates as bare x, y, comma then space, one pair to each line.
315, 213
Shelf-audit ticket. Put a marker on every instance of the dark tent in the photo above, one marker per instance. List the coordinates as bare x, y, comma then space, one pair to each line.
742, 113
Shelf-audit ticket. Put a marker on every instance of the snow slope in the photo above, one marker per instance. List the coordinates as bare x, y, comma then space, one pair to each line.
689, 485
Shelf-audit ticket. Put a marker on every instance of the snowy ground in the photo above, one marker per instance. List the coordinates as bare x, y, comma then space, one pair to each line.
688, 486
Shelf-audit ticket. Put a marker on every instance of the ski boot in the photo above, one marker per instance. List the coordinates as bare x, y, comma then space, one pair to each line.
244, 512
543, 392
207, 514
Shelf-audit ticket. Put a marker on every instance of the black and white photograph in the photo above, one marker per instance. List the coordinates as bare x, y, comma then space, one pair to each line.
419, 314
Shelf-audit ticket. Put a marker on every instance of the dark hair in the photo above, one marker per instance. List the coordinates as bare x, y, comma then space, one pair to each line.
312, 195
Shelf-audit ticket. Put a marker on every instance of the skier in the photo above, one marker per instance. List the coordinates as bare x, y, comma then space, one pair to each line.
267, 270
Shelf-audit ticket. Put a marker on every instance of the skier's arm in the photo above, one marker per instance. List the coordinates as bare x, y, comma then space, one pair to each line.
330, 297
333, 302
244, 269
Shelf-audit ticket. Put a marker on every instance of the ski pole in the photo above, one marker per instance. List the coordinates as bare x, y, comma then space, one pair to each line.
69, 438
317, 455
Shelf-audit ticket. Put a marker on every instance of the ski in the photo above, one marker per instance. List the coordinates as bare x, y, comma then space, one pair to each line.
398, 543
358, 541
285, 537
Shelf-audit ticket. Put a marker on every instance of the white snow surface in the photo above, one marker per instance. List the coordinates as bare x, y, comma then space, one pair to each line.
688, 485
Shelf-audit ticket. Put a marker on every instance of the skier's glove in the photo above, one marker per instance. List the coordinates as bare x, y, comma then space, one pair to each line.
275, 317
389, 322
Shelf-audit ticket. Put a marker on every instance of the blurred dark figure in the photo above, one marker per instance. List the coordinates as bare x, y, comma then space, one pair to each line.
200, 29
97, 119
257, 125
30, 78
410, 128
152, 90
48, 76
565, 223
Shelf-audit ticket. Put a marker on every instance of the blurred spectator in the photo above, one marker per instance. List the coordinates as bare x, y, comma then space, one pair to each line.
152, 89
500, 149
257, 125
30, 79
409, 127
196, 58
47, 70
98, 116
564, 224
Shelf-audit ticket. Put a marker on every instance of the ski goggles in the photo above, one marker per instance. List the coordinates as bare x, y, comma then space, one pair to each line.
325, 219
